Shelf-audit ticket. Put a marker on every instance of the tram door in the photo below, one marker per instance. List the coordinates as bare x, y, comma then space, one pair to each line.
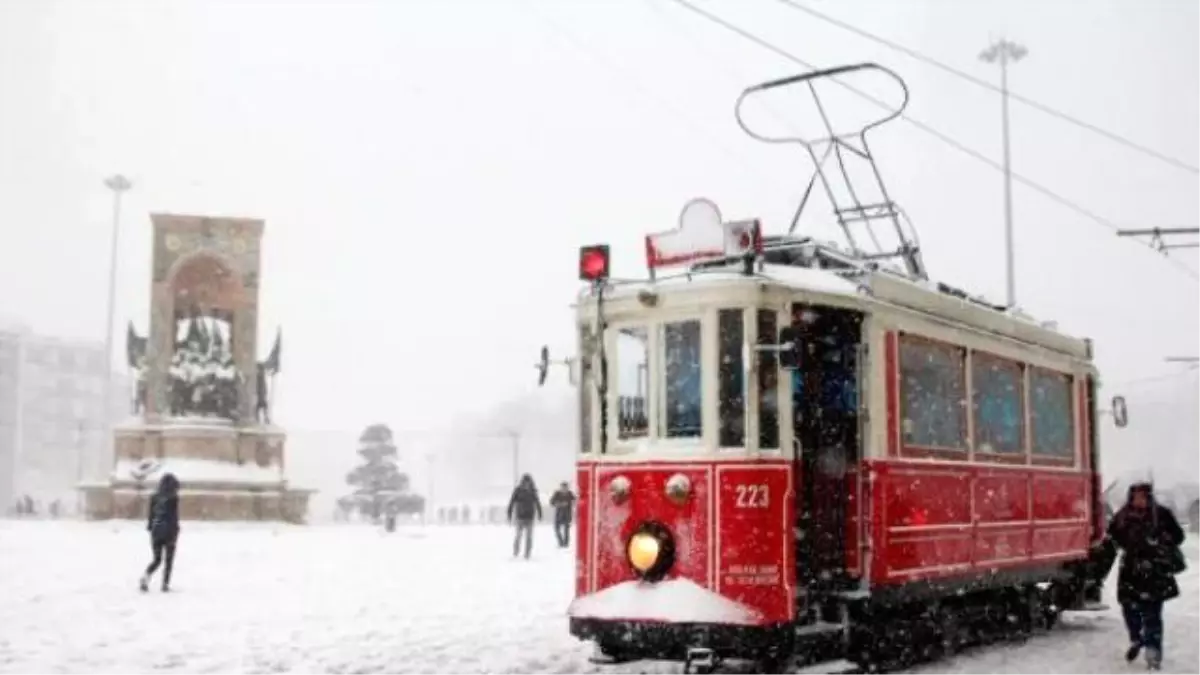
825, 416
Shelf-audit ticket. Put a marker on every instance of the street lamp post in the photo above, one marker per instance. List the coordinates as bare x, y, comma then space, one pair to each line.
1005, 51
430, 459
516, 455
79, 445
119, 185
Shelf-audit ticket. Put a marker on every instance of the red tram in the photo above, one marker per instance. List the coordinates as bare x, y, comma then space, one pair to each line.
790, 446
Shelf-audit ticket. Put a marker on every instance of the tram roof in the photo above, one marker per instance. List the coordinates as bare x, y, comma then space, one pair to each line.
872, 290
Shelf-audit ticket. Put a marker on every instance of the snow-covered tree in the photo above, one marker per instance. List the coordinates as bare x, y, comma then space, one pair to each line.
380, 487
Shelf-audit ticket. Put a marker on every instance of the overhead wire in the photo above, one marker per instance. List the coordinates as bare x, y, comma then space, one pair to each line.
634, 83
928, 129
1151, 379
1036, 105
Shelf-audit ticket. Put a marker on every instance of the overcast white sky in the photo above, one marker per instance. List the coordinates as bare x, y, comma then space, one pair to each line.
426, 169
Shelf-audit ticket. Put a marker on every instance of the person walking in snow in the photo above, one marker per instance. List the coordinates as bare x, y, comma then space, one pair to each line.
563, 501
524, 503
1149, 537
163, 524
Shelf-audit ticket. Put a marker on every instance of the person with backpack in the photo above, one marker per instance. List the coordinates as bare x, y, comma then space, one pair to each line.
524, 504
1149, 536
563, 501
163, 525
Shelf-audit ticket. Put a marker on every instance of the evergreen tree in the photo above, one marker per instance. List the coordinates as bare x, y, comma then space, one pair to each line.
380, 486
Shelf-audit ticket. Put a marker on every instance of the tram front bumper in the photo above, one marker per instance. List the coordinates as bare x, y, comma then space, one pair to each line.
671, 641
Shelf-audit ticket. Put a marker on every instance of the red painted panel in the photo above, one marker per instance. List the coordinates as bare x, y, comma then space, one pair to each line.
928, 555
917, 496
876, 533
688, 522
1002, 545
756, 512
891, 365
935, 519
1059, 496
1059, 540
583, 530
853, 521
1002, 496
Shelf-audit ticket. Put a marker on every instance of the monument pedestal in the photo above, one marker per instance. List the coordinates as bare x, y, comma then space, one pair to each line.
226, 472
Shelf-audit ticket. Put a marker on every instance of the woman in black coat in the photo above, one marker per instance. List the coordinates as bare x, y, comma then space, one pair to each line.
1148, 534
163, 524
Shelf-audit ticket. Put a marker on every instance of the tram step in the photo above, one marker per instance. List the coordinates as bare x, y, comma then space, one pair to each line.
818, 628
840, 667
701, 658
1090, 607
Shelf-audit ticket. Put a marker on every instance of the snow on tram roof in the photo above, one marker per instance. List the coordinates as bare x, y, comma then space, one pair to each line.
715, 252
800, 278
873, 286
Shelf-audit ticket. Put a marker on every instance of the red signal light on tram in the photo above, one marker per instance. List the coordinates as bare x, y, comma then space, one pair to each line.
593, 262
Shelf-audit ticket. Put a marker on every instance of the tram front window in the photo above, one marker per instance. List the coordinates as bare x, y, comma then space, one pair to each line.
633, 359
768, 383
586, 385
731, 378
681, 369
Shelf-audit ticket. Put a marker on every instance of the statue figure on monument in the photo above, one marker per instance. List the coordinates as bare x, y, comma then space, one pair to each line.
135, 356
203, 376
262, 406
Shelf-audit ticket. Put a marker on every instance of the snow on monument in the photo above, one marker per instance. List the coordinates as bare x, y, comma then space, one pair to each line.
202, 401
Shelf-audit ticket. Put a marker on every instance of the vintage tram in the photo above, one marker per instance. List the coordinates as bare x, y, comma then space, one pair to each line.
789, 446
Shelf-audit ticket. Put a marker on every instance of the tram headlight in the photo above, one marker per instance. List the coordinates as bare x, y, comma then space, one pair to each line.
643, 551
651, 551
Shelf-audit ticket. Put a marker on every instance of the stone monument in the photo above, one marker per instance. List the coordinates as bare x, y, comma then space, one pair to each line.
202, 402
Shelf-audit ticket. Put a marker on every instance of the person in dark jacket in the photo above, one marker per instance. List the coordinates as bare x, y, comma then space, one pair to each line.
563, 501
1147, 534
163, 524
524, 504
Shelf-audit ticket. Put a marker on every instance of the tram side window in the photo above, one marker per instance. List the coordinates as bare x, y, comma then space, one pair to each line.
997, 401
1050, 414
681, 370
933, 395
731, 378
768, 383
633, 352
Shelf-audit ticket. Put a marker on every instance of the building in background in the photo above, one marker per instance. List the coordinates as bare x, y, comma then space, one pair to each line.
53, 427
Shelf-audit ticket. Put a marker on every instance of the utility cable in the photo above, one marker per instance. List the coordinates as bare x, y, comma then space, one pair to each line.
1116, 138
1037, 187
631, 81
1151, 379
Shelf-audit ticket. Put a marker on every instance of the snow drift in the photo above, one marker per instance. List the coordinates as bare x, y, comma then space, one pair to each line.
673, 601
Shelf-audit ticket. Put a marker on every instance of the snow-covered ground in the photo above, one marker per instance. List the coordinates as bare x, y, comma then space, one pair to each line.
263, 598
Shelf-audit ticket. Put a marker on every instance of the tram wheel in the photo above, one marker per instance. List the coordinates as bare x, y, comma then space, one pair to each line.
951, 630
1042, 610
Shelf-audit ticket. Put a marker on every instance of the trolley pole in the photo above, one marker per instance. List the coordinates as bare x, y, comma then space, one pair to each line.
1004, 51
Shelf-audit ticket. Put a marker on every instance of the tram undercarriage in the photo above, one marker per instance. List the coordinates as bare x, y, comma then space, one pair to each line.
887, 631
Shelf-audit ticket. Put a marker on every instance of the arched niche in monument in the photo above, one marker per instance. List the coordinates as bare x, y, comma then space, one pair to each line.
204, 378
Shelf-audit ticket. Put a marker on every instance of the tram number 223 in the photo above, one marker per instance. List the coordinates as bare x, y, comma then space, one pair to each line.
752, 497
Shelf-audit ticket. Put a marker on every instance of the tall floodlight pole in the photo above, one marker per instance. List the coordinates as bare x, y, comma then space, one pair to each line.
118, 184
1005, 52
515, 437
